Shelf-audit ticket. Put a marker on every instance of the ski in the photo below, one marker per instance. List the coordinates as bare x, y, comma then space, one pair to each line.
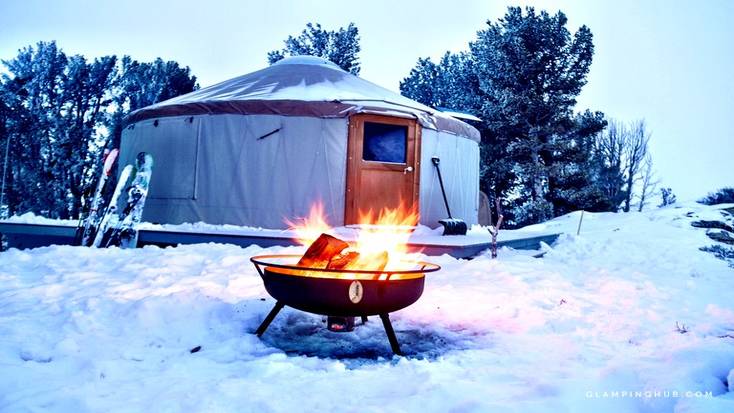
110, 216
87, 227
85, 202
125, 232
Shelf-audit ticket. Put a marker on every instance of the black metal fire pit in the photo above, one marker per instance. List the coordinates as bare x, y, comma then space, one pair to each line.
341, 295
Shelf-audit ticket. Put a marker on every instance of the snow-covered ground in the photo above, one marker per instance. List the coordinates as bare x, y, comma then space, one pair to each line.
421, 234
628, 316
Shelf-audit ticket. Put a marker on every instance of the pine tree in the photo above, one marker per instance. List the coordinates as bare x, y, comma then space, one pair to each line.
579, 170
451, 83
140, 84
521, 78
86, 96
422, 83
5, 140
33, 83
340, 47
668, 198
55, 113
532, 69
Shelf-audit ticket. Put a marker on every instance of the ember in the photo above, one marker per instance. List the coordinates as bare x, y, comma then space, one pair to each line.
343, 280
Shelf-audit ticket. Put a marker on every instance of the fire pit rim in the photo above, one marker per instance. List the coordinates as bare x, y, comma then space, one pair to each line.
257, 260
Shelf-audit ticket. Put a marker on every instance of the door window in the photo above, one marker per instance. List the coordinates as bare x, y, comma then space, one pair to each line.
384, 143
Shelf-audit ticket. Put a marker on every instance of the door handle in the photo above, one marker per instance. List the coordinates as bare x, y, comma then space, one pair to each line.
408, 169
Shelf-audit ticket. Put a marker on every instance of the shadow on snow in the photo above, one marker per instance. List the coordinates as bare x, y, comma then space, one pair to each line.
303, 334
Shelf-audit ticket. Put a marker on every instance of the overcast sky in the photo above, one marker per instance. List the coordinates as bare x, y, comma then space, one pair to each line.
669, 62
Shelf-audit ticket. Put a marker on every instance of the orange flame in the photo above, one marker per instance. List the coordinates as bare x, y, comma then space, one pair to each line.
309, 228
377, 233
388, 230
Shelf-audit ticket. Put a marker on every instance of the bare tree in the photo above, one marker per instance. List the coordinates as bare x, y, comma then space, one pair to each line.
635, 152
610, 149
648, 182
612, 143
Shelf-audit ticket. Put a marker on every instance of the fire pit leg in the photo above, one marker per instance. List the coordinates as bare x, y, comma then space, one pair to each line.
269, 318
364, 319
391, 334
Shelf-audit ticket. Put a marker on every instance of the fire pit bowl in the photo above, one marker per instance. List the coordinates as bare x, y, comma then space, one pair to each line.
341, 294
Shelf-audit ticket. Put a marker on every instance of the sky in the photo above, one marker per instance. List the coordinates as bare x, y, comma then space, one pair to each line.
668, 62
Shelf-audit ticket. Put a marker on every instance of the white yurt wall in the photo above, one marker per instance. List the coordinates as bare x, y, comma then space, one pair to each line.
254, 170
459, 169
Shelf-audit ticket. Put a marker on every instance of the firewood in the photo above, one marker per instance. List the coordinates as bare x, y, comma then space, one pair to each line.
374, 262
321, 251
353, 260
342, 260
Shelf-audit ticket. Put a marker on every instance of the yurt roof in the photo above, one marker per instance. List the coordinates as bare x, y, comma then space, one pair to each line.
301, 86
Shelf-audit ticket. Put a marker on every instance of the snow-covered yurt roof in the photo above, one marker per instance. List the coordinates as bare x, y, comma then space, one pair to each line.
302, 86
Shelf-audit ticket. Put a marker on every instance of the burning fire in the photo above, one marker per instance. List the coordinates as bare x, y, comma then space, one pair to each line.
388, 230
380, 241
310, 227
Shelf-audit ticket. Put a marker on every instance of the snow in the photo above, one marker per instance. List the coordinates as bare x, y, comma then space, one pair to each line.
422, 235
330, 83
307, 60
595, 325
458, 114
31, 218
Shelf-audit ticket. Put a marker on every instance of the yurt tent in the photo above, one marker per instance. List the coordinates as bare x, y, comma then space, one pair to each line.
266, 146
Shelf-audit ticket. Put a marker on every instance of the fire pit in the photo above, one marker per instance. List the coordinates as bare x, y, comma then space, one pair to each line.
368, 274
341, 294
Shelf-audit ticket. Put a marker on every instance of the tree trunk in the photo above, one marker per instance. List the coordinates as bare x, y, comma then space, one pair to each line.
628, 197
550, 176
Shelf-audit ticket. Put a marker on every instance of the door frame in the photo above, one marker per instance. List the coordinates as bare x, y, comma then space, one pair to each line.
355, 161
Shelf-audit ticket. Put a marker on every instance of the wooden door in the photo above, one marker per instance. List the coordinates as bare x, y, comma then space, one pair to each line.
383, 164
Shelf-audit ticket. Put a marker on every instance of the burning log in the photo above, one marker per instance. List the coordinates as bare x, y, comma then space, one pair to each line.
353, 260
332, 253
342, 260
322, 251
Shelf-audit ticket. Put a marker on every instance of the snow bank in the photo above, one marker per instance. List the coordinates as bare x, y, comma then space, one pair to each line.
421, 235
629, 316
31, 218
